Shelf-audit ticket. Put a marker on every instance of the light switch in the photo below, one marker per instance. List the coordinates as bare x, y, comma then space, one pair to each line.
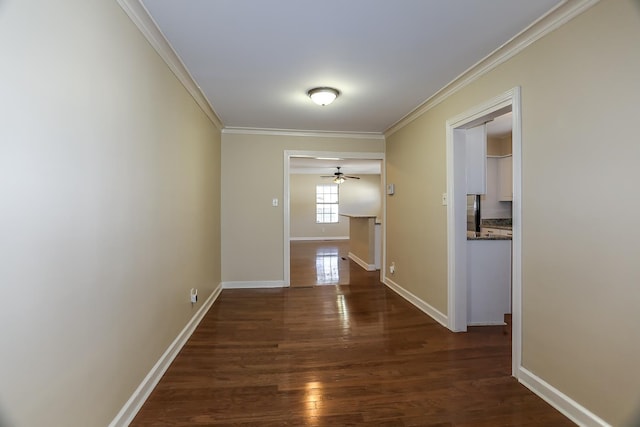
274, 202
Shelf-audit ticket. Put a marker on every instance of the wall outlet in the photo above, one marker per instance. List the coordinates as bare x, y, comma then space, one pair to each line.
444, 199
392, 268
194, 295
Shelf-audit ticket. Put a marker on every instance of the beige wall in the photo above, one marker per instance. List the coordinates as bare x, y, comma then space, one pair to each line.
252, 175
362, 196
109, 186
499, 146
580, 144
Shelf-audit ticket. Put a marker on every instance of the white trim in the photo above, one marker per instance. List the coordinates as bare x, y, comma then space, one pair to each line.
362, 263
366, 155
516, 239
140, 395
456, 230
425, 307
378, 136
554, 19
142, 19
286, 213
319, 238
262, 284
456, 250
486, 324
563, 403
324, 171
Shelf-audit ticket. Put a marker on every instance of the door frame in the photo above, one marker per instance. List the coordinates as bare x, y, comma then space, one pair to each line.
456, 214
288, 154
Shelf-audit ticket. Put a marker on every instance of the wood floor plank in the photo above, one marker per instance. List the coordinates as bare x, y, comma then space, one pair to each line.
350, 354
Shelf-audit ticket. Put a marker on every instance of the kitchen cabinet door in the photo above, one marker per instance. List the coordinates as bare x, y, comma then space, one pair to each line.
476, 160
488, 281
505, 170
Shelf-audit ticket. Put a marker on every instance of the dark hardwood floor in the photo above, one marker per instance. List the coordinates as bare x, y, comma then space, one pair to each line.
316, 263
339, 355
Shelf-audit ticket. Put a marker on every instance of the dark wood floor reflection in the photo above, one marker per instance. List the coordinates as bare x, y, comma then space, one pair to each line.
315, 263
335, 356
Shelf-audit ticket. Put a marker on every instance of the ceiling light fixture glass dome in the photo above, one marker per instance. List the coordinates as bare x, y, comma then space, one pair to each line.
323, 95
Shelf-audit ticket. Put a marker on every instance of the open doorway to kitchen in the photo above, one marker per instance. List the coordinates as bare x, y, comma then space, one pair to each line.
321, 252
457, 171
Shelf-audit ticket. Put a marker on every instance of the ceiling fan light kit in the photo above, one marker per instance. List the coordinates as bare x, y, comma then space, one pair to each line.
323, 95
339, 177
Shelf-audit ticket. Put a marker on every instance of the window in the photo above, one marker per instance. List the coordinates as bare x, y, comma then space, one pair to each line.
326, 203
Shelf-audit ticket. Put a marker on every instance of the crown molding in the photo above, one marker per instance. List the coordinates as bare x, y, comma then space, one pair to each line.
303, 133
555, 18
141, 18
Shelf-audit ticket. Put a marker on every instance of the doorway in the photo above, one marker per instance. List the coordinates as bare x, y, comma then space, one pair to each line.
333, 156
456, 214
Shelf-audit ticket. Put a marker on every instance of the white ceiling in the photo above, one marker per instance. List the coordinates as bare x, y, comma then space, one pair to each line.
254, 60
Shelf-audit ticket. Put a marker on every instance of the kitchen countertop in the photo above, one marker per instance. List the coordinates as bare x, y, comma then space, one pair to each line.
377, 220
494, 223
499, 227
478, 236
499, 223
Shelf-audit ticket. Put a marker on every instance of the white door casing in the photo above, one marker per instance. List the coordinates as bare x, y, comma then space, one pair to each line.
288, 154
456, 214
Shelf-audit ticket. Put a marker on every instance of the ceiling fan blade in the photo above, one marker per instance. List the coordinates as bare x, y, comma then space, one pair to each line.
352, 177
327, 176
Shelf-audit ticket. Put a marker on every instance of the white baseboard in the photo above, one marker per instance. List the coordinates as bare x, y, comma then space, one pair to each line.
563, 403
422, 305
140, 395
497, 323
255, 285
319, 238
362, 263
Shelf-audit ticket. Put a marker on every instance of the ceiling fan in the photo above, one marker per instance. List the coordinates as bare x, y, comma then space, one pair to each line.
339, 177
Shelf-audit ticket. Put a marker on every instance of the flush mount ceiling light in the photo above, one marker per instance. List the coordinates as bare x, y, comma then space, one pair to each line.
323, 95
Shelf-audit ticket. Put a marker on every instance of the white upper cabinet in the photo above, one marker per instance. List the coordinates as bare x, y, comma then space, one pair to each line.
505, 172
476, 159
